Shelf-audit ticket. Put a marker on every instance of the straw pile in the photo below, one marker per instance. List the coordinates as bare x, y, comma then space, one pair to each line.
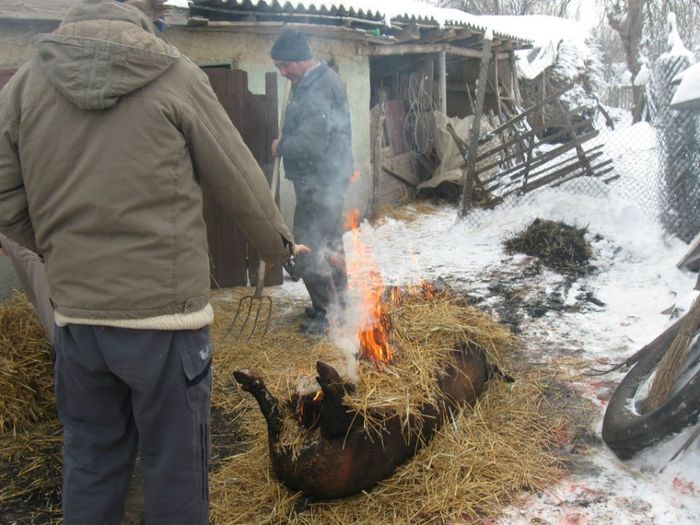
477, 463
559, 246
30, 441
25, 368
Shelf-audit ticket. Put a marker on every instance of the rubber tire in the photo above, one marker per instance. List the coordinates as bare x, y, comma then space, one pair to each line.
627, 432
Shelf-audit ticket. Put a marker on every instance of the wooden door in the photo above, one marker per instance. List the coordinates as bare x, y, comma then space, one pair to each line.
233, 260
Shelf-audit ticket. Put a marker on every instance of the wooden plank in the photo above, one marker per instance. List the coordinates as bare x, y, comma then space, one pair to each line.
424, 49
691, 259
519, 138
377, 139
553, 153
395, 121
442, 71
404, 167
572, 133
495, 182
471, 174
522, 115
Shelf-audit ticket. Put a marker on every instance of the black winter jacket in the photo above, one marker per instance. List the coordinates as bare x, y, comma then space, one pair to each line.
316, 142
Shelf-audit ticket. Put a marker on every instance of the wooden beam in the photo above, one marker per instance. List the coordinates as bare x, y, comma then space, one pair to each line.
418, 49
442, 67
476, 125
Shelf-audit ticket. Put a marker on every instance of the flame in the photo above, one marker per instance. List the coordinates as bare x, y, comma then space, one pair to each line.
318, 396
366, 279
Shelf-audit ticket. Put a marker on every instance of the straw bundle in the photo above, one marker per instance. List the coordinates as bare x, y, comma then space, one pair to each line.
477, 463
30, 441
26, 364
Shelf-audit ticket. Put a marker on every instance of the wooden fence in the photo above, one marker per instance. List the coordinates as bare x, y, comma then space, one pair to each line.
619, 97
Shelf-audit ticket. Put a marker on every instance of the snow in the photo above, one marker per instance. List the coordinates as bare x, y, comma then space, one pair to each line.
546, 34
636, 279
388, 9
687, 95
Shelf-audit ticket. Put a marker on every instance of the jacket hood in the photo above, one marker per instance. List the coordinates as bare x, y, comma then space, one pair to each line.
101, 51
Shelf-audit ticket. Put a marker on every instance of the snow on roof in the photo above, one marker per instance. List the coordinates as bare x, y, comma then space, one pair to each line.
386, 10
546, 33
687, 95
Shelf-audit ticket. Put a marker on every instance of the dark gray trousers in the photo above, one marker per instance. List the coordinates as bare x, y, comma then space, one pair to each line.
119, 389
319, 223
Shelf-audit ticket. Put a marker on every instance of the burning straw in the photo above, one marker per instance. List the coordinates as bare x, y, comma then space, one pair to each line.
479, 461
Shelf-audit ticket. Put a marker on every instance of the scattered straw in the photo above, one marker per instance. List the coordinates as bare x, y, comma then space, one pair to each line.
411, 212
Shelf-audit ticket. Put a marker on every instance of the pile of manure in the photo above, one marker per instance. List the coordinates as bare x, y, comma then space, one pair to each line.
561, 247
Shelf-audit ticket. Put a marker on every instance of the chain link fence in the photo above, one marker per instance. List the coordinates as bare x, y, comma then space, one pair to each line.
655, 163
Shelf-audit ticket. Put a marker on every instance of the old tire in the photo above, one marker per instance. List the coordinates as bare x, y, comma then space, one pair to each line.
627, 431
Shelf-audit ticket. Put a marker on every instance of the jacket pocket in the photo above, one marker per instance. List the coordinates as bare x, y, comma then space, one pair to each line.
196, 364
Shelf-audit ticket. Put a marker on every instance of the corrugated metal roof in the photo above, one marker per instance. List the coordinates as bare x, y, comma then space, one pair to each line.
385, 12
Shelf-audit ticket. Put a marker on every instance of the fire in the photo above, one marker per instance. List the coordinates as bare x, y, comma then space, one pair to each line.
318, 396
366, 280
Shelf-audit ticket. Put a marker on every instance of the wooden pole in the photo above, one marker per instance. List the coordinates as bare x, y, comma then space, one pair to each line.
376, 136
476, 125
442, 65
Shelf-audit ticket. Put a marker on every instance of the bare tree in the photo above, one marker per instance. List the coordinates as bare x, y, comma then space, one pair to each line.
562, 8
627, 18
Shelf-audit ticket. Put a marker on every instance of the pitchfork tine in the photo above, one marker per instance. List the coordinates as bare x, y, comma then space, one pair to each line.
249, 301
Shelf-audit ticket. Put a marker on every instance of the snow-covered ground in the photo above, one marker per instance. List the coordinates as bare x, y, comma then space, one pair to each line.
635, 281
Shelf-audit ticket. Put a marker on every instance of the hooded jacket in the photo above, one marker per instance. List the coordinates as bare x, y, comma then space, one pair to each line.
106, 137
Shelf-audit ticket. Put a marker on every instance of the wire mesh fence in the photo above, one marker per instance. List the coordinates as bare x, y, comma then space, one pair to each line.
656, 162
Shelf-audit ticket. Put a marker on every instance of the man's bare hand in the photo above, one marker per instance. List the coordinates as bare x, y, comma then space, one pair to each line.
154, 9
275, 143
300, 249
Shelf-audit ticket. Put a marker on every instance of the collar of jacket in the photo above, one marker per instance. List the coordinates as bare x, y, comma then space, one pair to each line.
312, 75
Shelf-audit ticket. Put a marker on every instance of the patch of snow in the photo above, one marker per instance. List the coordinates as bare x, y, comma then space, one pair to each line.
687, 95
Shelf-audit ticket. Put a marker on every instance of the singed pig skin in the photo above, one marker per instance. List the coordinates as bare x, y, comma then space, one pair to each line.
342, 458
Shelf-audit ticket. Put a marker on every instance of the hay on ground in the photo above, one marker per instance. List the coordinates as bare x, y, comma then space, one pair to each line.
480, 461
26, 368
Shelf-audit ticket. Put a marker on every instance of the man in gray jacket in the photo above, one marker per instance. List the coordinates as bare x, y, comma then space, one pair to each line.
106, 137
316, 146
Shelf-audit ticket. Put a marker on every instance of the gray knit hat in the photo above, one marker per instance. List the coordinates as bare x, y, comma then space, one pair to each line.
291, 46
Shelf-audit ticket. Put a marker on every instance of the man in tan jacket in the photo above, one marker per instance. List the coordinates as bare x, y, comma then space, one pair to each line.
106, 137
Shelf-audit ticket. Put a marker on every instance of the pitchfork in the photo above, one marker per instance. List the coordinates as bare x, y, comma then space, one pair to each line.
248, 303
